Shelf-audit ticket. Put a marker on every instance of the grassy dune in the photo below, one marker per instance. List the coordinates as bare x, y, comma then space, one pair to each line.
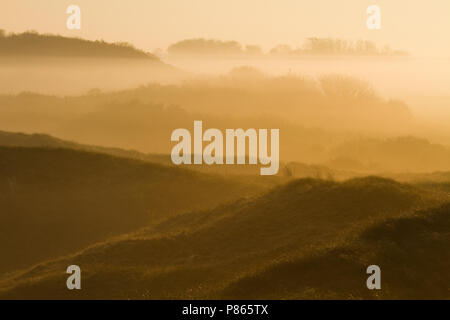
412, 253
203, 253
35, 44
55, 201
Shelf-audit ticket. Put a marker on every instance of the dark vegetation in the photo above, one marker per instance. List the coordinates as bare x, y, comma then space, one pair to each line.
311, 46
34, 44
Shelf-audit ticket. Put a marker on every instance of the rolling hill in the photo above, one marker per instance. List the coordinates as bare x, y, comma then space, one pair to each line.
412, 253
34, 44
38, 140
201, 253
59, 65
56, 201
248, 173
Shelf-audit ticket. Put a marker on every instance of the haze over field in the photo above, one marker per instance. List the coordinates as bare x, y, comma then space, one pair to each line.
411, 26
150, 26
86, 176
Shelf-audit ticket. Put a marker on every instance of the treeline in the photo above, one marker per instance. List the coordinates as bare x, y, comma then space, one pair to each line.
311, 46
31, 43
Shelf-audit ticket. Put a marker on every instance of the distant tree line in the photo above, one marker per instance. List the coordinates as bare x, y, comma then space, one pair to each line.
210, 47
32, 43
311, 46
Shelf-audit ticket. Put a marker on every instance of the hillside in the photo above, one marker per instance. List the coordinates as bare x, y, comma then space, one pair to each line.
251, 172
412, 253
56, 201
18, 139
195, 255
35, 44
58, 65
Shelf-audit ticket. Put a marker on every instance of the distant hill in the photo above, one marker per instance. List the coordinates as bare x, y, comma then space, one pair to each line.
199, 254
288, 171
252, 173
38, 140
34, 44
156, 110
56, 201
57, 65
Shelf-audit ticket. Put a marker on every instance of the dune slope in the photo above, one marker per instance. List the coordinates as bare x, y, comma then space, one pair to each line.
198, 254
55, 201
412, 253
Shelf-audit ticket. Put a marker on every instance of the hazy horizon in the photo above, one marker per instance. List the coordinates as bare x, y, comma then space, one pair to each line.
408, 26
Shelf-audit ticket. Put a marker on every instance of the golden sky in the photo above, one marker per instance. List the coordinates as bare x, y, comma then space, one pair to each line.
421, 27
